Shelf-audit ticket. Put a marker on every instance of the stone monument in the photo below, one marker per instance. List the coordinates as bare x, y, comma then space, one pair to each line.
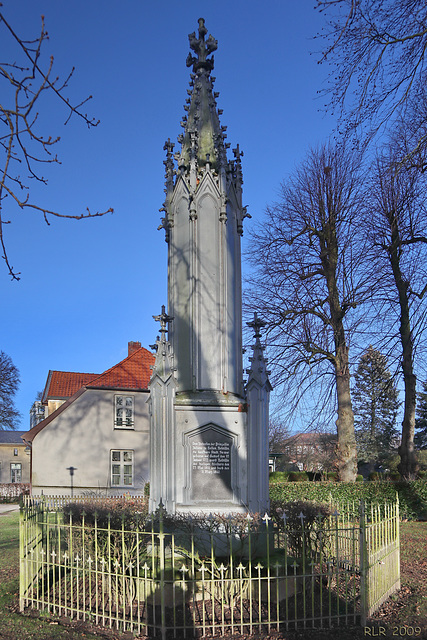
209, 430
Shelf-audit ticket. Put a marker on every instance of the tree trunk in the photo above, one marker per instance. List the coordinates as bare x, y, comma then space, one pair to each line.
346, 446
408, 465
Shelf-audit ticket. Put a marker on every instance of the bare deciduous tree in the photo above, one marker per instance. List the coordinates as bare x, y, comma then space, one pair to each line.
278, 433
377, 49
397, 216
308, 283
9, 383
25, 82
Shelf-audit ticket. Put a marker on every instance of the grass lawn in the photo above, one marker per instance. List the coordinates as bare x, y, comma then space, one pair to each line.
13, 625
400, 616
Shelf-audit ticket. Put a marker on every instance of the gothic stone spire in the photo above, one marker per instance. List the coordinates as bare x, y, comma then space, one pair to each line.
203, 139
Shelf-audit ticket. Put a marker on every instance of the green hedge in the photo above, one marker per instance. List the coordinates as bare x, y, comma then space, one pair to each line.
412, 495
279, 476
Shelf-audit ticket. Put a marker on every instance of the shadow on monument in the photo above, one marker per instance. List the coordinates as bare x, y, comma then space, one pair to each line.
212, 453
215, 450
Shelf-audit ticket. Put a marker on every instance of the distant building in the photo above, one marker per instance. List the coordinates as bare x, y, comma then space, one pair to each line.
95, 433
310, 451
14, 458
37, 413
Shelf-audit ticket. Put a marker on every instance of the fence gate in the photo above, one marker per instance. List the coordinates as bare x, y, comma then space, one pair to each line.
379, 554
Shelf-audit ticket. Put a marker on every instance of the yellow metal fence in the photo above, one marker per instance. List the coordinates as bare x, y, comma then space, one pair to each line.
196, 581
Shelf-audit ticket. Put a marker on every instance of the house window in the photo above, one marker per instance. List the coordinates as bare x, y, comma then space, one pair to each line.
15, 472
15, 452
124, 411
121, 468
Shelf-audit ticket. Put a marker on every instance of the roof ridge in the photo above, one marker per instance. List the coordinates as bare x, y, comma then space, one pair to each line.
134, 355
81, 373
100, 375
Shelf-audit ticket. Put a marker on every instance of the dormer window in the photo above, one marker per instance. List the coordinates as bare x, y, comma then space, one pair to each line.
124, 412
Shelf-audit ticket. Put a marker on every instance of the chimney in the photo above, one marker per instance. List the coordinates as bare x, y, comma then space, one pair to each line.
132, 347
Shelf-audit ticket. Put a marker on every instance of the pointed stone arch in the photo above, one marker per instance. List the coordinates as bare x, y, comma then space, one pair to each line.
211, 461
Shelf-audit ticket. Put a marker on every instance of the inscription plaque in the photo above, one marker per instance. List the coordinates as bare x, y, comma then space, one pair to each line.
211, 466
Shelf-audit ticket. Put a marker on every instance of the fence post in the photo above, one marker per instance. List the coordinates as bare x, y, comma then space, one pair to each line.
162, 572
22, 559
363, 558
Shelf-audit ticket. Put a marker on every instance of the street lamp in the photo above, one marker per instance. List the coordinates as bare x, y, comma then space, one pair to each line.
71, 470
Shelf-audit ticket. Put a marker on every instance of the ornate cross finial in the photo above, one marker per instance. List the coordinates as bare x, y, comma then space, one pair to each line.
256, 325
237, 153
168, 147
163, 318
202, 49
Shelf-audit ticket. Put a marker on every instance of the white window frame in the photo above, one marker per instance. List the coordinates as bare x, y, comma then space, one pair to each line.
15, 467
124, 411
122, 467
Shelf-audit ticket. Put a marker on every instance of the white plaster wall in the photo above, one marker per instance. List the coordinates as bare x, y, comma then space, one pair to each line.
82, 436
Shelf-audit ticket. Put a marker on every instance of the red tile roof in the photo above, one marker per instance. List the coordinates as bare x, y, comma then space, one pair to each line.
134, 372
64, 384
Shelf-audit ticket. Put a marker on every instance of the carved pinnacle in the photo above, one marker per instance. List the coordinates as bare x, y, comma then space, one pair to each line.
256, 325
202, 49
163, 318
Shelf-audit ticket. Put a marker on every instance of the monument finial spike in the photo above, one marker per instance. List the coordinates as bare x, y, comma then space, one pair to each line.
256, 325
164, 319
202, 49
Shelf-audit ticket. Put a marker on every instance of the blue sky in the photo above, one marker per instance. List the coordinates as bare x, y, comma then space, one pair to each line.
89, 287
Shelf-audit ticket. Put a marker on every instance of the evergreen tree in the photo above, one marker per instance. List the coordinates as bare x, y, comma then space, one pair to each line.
420, 439
375, 404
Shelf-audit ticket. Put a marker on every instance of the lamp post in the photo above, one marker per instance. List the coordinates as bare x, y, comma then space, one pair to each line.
71, 470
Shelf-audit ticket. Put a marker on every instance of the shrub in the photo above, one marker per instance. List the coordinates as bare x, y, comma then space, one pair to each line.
12, 491
298, 476
422, 459
304, 523
412, 495
109, 526
359, 478
132, 514
279, 476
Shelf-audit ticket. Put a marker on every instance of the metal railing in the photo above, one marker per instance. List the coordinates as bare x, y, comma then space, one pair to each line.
142, 577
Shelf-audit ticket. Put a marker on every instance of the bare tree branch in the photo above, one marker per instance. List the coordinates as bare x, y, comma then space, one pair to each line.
308, 281
22, 144
377, 51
